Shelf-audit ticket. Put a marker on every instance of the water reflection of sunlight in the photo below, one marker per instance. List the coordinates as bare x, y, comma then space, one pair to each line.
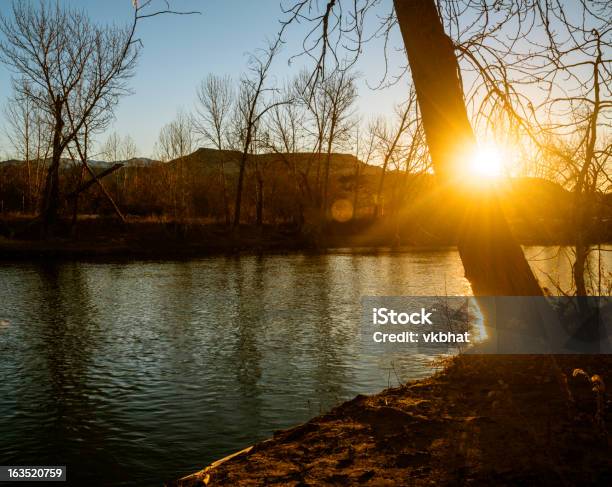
479, 330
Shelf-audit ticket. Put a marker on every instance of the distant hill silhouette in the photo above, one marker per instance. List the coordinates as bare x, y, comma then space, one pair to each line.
545, 194
206, 159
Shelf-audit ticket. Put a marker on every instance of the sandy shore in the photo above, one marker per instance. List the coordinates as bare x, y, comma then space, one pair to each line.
483, 420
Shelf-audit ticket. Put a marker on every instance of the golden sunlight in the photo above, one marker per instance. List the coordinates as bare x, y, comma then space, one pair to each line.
487, 162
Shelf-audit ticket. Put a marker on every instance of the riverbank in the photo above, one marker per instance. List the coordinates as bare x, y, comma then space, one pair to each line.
483, 420
108, 238
135, 247
96, 237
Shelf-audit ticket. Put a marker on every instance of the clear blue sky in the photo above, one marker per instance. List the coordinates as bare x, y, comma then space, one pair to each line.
181, 50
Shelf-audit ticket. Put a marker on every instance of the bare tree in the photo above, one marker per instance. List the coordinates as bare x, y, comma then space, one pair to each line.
26, 131
341, 94
317, 107
389, 141
72, 69
565, 59
117, 148
215, 101
493, 260
128, 148
176, 139
252, 104
286, 137
111, 149
366, 152
215, 98
176, 142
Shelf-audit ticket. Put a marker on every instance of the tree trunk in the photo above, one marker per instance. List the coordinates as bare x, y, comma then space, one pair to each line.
579, 267
493, 260
243, 160
299, 194
50, 204
26, 130
356, 189
260, 201
325, 202
75, 206
378, 205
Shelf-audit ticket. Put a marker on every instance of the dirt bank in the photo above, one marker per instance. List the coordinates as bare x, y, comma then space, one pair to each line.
484, 420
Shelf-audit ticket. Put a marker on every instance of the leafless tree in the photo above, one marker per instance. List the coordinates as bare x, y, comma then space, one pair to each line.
287, 138
215, 101
176, 139
176, 142
493, 260
26, 131
117, 148
363, 157
565, 58
389, 143
317, 123
341, 93
111, 149
252, 104
129, 150
71, 68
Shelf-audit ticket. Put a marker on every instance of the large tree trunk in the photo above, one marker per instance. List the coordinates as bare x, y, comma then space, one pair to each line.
579, 267
493, 260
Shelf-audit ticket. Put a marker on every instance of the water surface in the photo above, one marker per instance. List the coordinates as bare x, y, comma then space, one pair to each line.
134, 373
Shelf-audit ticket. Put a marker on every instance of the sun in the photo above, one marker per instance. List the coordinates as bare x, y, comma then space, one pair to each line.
487, 162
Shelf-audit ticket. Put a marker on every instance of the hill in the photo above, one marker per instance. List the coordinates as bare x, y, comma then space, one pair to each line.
208, 160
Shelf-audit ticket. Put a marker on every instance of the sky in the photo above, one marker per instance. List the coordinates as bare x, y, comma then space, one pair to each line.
179, 51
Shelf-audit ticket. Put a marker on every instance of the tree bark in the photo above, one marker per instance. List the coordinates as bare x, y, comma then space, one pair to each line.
493, 260
50, 203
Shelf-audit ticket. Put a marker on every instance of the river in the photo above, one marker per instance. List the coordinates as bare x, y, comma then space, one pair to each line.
132, 373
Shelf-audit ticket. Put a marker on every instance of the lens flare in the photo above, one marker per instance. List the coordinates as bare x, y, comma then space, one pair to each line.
342, 210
